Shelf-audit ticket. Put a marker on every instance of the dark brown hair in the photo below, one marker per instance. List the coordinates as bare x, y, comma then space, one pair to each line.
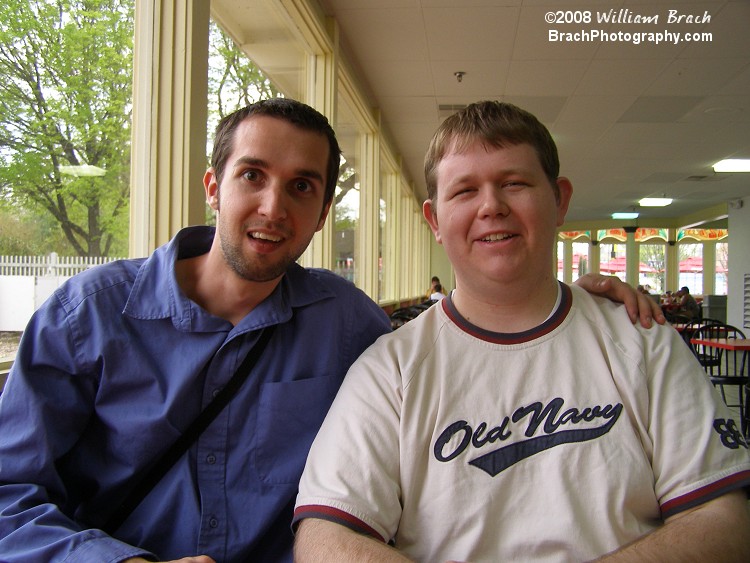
296, 113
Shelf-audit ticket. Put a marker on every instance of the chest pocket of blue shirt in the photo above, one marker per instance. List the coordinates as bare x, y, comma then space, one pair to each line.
289, 416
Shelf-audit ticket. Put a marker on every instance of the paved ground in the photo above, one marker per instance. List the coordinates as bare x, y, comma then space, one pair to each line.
9, 343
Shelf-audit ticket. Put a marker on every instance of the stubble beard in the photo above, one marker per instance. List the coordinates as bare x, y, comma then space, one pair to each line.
253, 269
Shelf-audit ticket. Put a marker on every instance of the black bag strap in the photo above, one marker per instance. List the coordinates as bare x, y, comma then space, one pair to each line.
183, 443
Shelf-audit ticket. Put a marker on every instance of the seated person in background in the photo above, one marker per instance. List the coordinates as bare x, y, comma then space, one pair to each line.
520, 418
688, 306
433, 282
669, 305
438, 294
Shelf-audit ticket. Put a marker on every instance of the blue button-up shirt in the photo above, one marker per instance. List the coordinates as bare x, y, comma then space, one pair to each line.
114, 367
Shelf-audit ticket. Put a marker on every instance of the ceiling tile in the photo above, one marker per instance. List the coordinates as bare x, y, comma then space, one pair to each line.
617, 78
659, 109
467, 32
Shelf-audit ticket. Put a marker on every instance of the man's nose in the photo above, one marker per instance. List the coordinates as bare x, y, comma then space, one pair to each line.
493, 202
272, 203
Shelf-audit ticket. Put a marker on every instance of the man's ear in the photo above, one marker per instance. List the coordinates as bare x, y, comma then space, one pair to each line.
212, 189
565, 189
430, 215
323, 215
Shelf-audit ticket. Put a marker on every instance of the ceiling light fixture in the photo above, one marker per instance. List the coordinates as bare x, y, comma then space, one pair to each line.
655, 201
625, 215
733, 165
459, 74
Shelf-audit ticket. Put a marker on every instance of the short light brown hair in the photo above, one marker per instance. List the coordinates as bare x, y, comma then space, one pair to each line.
495, 124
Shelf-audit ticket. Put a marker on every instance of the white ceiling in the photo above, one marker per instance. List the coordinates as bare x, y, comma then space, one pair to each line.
630, 120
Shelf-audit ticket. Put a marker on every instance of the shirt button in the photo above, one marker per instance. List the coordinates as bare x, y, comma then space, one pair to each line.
211, 459
213, 522
215, 392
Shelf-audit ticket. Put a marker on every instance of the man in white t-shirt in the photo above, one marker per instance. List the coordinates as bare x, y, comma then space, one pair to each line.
520, 418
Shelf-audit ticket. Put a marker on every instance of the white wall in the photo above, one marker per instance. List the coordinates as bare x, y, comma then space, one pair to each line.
16, 302
440, 266
20, 296
739, 263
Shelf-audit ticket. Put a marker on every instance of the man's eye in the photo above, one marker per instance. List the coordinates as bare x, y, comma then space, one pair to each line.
250, 175
302, 186
464, 192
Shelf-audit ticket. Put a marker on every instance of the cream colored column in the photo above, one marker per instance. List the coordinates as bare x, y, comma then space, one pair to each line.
555, 256
397, 216
321, 94
369, 215
568, 261
168, 157
709, 267
672, 261
390, 246
407, 248
633, 259
595, 256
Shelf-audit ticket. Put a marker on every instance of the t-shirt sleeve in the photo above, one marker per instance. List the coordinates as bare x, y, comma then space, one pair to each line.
352, 472
698, 451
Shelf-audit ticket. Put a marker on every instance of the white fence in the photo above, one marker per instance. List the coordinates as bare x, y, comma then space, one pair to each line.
50, 265
27, 281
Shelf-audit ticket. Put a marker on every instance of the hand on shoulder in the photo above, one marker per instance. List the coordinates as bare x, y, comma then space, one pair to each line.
640, 307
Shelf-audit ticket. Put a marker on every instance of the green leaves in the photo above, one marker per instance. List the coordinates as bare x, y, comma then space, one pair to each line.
65, 100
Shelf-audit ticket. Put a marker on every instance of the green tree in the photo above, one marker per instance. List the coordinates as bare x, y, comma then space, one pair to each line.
346, 218
65, 102
655, 257
234, 81
25, 234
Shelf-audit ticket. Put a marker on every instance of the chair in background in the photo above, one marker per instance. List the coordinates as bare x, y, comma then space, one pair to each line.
692, 325
708, 321
400, 317
680, 323
680, 320
726, 369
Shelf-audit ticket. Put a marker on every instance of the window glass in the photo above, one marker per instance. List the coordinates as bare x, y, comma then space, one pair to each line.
66, 126
612, 260
652, 268
580, 259
691, 267
384, 257
345, 209
722, 265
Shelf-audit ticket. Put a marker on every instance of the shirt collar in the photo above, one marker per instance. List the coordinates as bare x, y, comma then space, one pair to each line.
562, 308
157, 295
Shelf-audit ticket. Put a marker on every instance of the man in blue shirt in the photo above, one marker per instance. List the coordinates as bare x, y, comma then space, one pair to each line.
117, 363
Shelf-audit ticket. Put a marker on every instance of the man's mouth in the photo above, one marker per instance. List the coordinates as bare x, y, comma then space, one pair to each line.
265, 236
496, 236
